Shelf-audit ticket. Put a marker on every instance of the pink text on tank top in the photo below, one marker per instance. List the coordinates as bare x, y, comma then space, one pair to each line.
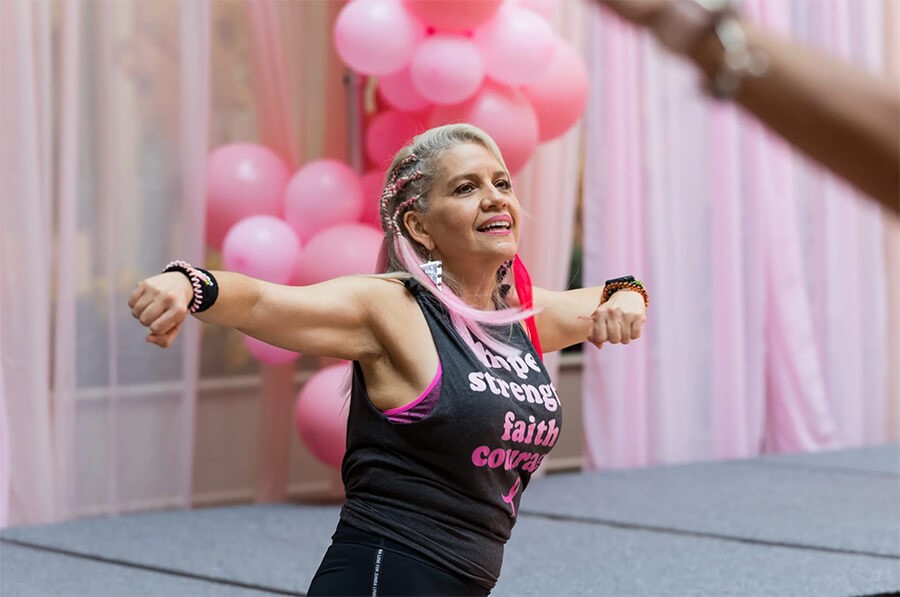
421, 407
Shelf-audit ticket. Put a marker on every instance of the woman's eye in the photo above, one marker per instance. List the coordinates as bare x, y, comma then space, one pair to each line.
503, 184
465, 188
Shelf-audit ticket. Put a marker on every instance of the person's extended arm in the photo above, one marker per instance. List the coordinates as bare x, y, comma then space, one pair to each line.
574, 316
328, 319
845, 118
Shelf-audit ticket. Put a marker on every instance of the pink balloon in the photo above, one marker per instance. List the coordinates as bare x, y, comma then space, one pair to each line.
452, 15
387, 133
321, 194
321, 415
268, 354
398, 91
503, 113
376, 37
447, 69
518, 45
242, 179
264, 247
560, 94
372, 182
339, 251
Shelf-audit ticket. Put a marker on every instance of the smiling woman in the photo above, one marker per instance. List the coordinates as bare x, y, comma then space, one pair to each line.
451, 408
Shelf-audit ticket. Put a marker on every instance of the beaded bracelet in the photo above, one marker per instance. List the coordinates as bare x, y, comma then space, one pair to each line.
610, 288
206, 289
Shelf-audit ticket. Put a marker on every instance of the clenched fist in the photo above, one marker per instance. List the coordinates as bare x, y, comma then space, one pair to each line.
618, 320
160, 303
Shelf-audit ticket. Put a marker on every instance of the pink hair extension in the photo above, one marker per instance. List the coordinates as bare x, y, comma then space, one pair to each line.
466, 320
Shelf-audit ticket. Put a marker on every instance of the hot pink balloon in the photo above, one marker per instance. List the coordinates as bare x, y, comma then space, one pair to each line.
268, 354
321, 194
387, 133
376, 37
372, 182
339, 251
560, 94
447, 69
503, 113
264, 247
453, 15
518, 45
242, 179
321, 415
398, 91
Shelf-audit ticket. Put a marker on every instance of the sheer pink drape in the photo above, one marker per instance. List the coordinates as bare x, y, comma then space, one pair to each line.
104, 134
301, 114
892, 241
26, 261
548, 186
747, 250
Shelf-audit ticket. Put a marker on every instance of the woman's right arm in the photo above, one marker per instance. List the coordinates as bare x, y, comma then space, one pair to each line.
333, 318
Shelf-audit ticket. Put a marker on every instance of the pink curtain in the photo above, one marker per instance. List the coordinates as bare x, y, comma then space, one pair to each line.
26, 261
747, 251
892, 240
301, 114
105, 134
548, 186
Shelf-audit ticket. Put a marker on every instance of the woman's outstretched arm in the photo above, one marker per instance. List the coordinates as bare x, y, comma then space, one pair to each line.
327, 319
841, 116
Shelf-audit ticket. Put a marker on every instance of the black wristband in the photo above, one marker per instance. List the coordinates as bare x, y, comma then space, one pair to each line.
206, 288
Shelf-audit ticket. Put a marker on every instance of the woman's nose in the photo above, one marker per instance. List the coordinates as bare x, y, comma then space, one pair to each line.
495, 198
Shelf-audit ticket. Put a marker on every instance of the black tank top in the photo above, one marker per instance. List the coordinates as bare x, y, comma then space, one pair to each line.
449, 485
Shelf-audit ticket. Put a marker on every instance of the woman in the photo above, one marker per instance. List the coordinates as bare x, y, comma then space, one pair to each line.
451, 410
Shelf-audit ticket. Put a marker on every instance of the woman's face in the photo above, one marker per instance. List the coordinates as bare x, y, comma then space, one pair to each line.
472, 213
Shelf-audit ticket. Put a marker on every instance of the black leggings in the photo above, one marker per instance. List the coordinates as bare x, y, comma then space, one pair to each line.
360, 563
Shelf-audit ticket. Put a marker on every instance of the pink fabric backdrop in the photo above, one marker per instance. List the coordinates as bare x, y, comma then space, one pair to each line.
548, 186
754, 259
103, 119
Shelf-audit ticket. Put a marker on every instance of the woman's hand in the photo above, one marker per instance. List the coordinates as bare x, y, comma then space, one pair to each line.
619, 320
160, 303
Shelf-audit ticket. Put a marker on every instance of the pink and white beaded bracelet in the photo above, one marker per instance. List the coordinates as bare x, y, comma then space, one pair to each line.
200, 279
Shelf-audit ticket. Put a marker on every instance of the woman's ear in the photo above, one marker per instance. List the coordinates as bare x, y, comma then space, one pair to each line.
418, 231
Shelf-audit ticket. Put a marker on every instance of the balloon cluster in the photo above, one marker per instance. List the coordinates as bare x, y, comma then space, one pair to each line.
301, 229
496, 64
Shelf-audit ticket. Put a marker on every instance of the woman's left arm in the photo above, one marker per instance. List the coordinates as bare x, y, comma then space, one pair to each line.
573, 316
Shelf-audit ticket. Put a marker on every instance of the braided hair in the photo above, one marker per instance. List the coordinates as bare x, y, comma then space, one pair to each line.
407, 185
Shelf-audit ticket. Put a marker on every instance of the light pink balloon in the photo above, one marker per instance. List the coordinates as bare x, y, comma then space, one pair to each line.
339, 251
268, 354
453, 15
372, 182
503, 113
321, 194
242, 179
321, 415
560, 94
387, 133
376, 37
518, 45
398, 91
264, 247
447, 69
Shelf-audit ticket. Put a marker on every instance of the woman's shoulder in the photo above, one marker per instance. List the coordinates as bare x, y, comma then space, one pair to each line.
385, 293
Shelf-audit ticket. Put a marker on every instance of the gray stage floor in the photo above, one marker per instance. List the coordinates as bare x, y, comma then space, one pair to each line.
824, 524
